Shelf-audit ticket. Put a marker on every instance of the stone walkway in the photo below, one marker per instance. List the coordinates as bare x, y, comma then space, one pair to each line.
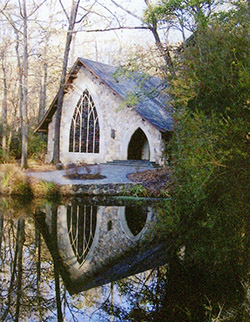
114, 173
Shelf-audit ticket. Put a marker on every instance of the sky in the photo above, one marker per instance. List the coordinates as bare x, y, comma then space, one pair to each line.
111, 46
108, 46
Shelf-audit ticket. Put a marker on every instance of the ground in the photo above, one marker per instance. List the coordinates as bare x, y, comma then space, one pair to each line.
154, 181
110, 179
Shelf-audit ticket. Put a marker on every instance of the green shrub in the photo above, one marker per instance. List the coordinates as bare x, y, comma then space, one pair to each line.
138, 191
36, 146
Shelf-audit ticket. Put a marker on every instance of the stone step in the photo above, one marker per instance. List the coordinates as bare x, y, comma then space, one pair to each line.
134, 163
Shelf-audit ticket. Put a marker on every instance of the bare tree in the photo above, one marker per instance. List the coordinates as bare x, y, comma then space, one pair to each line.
47, 32
4, 104
19, 23
71, 25
16, 269
24, 125
151, 25
22, 72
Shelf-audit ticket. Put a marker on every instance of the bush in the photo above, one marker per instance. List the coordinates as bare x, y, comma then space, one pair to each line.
36, 146
211, 94
14, 182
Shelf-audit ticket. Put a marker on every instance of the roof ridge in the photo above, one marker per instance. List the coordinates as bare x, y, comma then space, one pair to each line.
151, 108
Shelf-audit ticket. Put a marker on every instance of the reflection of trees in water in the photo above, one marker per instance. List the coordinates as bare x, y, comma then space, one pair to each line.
28, 278
25, 272
81, 220
180, 293
14, 287
198, 286
207, 280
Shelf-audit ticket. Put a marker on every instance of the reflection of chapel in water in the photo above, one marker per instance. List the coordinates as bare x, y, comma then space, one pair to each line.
97, 244
83, 230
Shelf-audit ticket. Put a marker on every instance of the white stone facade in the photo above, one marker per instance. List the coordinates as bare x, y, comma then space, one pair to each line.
117, 125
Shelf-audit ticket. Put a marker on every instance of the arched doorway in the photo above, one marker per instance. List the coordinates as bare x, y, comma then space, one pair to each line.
138, 148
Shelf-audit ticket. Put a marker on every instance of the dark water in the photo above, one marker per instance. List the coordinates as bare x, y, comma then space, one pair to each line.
90, 260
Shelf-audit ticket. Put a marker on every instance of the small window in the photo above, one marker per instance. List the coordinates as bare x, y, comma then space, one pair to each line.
84, 130
109, 225
112, 133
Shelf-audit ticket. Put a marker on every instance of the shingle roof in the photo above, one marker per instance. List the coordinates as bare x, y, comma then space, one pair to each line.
144, 91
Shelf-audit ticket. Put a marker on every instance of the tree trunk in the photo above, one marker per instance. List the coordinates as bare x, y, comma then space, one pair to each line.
43, 84
4, 106
72, 20
20, 75
20, 241
58, 295
40, 103
165, 53
56, 268
38, 271
13, 274
24, 125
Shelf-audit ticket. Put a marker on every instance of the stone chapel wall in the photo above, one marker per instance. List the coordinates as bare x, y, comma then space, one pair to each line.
117, 124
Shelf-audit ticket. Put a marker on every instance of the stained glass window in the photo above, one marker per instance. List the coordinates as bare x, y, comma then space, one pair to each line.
85, 130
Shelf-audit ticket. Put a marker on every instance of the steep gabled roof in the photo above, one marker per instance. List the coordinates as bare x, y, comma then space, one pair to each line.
141, 91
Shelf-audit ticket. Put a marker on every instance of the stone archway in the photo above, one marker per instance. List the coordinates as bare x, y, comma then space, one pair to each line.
138, 148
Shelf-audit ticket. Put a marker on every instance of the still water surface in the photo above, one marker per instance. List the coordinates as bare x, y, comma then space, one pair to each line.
90, 260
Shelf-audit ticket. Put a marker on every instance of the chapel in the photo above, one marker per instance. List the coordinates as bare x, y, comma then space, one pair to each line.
109, 114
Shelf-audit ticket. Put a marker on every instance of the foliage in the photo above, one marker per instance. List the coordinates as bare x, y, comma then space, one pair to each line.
210, 145
180, 14
45, 189
13, 181
36, 145
156, 182
210, 166
138, 190
213, 73
2, 155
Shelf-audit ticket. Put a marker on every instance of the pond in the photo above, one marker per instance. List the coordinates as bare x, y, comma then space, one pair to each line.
120, 260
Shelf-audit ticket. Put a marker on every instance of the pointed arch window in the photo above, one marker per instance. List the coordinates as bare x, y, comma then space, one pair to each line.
84, 129
81, 222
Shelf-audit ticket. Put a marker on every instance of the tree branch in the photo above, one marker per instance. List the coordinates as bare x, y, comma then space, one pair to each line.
5, 6
64, 10
116, 28
36, 8
117, 20
126, 10
20, 8
88, 12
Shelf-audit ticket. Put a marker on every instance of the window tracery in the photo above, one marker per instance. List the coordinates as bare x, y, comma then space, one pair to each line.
81, 222
84, 129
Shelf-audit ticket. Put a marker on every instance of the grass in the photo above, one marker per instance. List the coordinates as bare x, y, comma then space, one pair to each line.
13, 181
36, 166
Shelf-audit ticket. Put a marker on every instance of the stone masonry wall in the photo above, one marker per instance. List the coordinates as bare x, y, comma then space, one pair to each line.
113, 118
